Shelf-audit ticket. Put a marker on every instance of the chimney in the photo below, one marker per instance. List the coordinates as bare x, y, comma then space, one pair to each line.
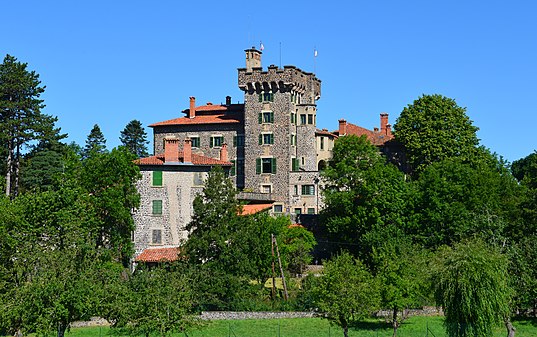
342, 127
187, 151
192, 111
383, 123
228, 100
171, 150
223, 152
388, 129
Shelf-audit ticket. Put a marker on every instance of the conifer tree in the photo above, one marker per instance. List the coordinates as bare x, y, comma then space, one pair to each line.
21, 120
95, 142
134, 138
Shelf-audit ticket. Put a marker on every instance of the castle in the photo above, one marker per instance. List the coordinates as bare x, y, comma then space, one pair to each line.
269, 145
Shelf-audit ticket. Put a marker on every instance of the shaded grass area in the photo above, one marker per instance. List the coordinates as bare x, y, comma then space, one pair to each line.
316, 327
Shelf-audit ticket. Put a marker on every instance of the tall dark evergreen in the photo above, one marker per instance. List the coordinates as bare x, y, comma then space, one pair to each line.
95, 142
21, 120
134, 138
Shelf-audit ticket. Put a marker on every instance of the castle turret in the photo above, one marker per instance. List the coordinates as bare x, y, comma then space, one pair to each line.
253, 59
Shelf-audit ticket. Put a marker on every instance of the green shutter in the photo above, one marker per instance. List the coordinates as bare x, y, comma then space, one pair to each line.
260, 97
258, 165
260, 118
294, 164
260, 139
232, 170
272, 138
273, 165
157, 178
157, 207
211, 142
272, 117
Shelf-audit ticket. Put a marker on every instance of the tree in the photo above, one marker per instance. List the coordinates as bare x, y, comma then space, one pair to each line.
134, 138
346, 292
472, 285
21, 120
95, 143
434, 128
157, 300
109, 182
361, 192
457, 200
526, 166
401, 270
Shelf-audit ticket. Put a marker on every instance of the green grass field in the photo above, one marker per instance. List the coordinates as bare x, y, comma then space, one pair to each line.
316, 327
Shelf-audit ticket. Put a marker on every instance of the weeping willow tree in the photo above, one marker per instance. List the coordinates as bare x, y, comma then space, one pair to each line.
472, 286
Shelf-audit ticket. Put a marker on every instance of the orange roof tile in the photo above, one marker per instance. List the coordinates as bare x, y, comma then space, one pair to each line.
196, 160
201, 119
295, 225
325, 133
376, 138
254, 208
158, 255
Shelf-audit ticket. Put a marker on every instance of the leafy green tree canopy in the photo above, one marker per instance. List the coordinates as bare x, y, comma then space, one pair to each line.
434, 128
472, 285
134, 138
346, 292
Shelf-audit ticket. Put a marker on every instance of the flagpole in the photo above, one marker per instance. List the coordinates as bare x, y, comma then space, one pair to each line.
314, 59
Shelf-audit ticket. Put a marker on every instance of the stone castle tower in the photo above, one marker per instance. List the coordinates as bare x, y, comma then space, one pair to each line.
280, 115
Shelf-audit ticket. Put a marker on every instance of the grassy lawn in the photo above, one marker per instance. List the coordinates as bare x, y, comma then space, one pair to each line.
316, 327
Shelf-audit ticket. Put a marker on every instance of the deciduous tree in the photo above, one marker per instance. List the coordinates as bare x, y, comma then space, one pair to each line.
434, 128
472, 285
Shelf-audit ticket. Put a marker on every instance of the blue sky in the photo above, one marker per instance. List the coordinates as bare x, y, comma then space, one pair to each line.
108, 62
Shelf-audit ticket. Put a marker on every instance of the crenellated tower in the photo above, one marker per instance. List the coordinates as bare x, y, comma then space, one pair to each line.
280, 115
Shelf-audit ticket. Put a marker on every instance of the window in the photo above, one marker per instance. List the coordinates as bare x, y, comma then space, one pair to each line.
198, 178
238, 140
266, 117
295, 165
266, 97
293, 118
195, 141
296, 190
157, 178
265, 165
310, 119
157, 207
278, 209
308, 190
298, 211
322, 143
217, 141
311, 210
266, 189
302, 119
156, 236
293, 139
266, 138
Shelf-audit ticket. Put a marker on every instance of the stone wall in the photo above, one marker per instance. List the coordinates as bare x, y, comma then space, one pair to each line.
177, 193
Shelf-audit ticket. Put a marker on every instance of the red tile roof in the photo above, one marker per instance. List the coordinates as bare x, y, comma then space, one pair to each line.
202, 119
254, 208
325, 132
196, 160
376, 138
158, 255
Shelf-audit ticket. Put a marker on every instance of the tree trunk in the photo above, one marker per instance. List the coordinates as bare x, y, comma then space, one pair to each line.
510, 328
395, 324
17, 162
346, 331
9, 164
61, 329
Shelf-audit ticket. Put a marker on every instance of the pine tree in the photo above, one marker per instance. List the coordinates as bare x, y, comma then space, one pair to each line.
134, 138
95, 143
21, 120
